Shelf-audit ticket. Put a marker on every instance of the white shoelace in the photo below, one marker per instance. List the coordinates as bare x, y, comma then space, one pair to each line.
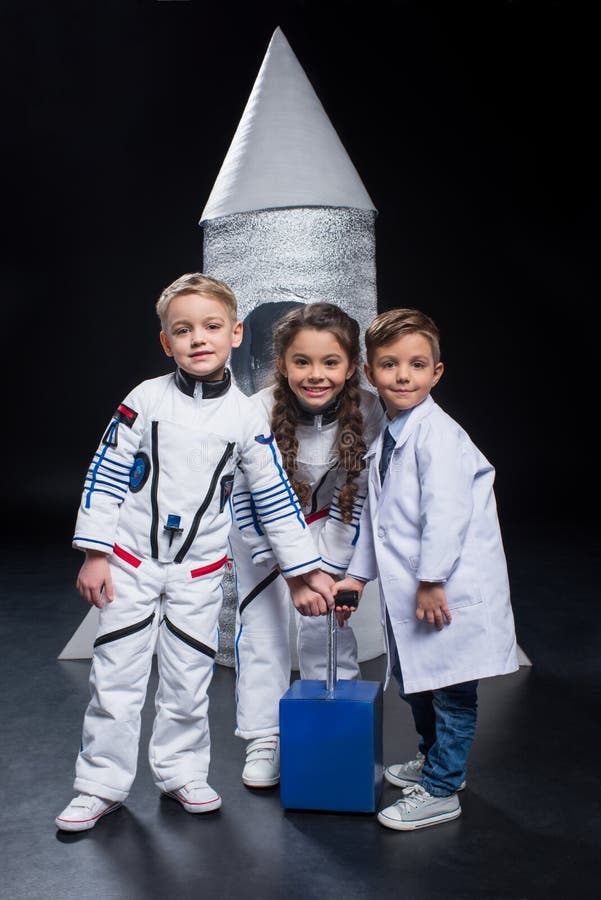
414, 796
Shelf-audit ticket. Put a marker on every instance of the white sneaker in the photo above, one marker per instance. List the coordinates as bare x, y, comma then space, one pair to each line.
196, 797
84, 811
262, 768
405, 774
419, 809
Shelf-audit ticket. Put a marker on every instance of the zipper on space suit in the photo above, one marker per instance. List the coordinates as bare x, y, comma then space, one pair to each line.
188, 639
229, 450
314, 497
123, 632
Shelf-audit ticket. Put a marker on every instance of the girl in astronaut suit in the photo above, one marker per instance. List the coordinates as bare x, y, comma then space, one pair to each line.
323, 422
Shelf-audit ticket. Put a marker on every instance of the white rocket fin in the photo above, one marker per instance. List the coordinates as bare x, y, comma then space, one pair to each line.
285, 151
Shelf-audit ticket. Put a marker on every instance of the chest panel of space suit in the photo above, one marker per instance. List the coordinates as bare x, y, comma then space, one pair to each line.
317, 463
179, 488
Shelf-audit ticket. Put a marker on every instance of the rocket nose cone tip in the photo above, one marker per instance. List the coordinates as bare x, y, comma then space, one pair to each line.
285, 152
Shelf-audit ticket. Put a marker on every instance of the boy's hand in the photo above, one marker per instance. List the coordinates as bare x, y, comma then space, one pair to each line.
431, 604
311, 593
95, 575
348, 583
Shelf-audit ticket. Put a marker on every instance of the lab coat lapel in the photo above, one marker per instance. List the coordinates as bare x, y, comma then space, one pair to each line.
410, 426
373, 454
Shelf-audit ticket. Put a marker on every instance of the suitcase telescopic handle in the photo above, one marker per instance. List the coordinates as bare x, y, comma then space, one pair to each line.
332, 651
343, 598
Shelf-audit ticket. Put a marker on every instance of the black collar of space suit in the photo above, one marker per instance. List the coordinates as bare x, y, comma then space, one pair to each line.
328, 415
210, 389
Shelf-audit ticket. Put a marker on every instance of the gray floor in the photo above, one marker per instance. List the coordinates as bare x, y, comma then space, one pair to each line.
531, 823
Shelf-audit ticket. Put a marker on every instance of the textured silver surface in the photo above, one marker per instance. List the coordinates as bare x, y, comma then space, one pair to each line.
298, 255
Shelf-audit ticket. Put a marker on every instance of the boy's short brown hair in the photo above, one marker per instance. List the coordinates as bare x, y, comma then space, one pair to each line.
197, 283
394, 323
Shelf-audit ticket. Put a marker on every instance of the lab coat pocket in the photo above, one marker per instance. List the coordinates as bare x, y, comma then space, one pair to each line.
462, 588
463, 598
399, 595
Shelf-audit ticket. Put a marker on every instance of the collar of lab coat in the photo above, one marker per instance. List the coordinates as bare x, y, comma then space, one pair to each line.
418, 413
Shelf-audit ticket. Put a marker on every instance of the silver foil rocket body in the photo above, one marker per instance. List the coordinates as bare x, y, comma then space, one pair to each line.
274, 259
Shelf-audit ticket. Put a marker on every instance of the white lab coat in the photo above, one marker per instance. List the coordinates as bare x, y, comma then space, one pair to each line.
435, 519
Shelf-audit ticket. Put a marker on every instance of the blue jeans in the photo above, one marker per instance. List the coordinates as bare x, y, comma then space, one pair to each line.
445, 720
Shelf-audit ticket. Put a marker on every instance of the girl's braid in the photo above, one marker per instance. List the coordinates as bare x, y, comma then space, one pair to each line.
351, 446
284, 419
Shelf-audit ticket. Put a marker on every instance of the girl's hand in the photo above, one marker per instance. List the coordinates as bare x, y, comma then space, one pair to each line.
431, 604
307, 601
321, 583
94, 576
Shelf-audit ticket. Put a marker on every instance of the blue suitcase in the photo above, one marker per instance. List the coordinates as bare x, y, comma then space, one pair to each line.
331, 741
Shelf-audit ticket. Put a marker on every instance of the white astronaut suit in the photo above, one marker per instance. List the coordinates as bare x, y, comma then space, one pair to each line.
157, 498
262, 649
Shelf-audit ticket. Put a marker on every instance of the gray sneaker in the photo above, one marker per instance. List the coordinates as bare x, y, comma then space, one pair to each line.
405, 774
419, 809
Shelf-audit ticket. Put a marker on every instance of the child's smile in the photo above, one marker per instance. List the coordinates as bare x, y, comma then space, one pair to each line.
199, 334
403, 372
316, 367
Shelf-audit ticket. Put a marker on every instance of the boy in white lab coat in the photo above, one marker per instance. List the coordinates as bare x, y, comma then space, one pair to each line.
430, 533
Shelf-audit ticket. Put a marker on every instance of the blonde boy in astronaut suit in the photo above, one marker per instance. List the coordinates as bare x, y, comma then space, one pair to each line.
153, 522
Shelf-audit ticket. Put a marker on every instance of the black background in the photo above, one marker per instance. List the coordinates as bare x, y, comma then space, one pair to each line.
472, 127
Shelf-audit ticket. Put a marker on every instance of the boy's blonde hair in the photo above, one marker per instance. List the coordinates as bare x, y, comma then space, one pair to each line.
394, 323
197, 283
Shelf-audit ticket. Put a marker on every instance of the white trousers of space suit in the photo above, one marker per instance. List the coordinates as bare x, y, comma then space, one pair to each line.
262, 649
156, 605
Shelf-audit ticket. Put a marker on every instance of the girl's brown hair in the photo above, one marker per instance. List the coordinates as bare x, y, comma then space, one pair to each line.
284, 418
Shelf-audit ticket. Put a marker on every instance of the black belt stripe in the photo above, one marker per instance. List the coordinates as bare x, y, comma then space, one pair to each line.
258, 588
205, 503
123, 632
154, 490
192, 642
